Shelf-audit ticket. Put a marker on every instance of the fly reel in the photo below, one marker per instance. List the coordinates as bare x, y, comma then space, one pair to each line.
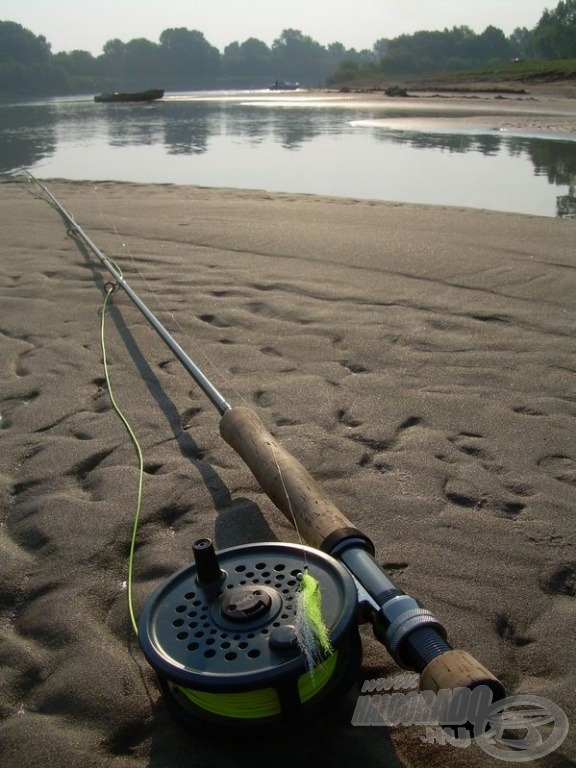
220, 634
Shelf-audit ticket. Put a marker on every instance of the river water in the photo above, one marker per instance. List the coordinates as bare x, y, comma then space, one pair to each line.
253, 141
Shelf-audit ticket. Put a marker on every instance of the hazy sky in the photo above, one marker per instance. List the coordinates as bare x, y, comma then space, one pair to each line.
88, 24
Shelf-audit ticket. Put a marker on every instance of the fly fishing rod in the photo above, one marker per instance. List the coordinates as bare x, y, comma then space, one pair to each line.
224, 633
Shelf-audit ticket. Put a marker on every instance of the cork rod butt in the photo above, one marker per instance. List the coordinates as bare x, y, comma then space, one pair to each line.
458, 669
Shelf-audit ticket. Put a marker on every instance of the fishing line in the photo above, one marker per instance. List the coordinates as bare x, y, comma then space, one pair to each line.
265, 702
311, 632
224, 376
110, 290
45, 194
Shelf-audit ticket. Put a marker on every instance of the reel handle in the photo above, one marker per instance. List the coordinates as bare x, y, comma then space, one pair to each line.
286, 482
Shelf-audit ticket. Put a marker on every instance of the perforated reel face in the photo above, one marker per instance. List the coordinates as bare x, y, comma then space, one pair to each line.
238, 635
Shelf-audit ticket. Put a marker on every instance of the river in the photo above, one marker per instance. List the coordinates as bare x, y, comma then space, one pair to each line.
255, 141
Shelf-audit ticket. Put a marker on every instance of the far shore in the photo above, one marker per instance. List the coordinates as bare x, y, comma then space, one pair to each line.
543, 107
537, 108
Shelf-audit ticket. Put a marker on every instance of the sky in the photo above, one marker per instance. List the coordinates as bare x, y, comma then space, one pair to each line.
88, 24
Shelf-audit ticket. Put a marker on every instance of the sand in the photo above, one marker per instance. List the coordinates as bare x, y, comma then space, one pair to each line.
419, 361
542, 110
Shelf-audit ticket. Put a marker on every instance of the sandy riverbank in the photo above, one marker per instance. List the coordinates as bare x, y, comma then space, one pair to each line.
420, 362
542, 109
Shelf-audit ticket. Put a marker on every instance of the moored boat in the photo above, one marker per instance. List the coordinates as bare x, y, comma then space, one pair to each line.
151, 95
280, 85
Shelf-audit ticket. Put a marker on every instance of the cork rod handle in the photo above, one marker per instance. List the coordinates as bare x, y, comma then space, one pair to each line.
459, 669
284, 480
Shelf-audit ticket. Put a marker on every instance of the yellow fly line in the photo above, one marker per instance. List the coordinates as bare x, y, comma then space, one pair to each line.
264, 702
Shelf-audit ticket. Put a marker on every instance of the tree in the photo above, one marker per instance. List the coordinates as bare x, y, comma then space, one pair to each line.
113, 58
77, 63
21, 45
138, 59
522, 42
187, 53
380, 47
143, 59
337, 55
555, 33
250, 58
420, 52
296, 56
449, 49
346, 72
26, 63
493, 47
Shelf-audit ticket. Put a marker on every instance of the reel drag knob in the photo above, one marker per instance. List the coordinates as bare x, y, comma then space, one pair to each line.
245, 604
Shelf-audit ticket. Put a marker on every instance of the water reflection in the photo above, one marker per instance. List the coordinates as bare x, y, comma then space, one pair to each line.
289, 128
554, 159
27, 136
188, 131
48, 133
460, 143
558, 164
566, 204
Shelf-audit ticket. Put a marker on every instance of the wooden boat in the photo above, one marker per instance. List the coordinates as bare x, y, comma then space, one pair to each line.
280, 85
152, 95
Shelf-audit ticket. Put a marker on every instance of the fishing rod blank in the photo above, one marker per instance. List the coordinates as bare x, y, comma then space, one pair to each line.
411, 633
207, 387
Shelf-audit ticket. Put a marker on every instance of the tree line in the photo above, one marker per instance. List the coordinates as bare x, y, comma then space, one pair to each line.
184, 59
459, 48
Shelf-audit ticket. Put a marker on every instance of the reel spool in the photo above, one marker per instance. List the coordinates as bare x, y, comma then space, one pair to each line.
220, 635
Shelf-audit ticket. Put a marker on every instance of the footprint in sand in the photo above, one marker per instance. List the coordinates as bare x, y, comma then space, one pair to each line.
354, 367
263, 399
560, 579
213, 320
271, 351
506, 630
82, 469
345, 418
561, 468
